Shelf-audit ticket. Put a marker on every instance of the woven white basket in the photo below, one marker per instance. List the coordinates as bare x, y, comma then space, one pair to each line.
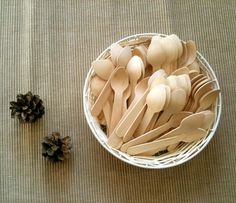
185, 152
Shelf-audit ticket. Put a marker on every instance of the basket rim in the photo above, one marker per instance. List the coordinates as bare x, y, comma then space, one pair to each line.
130, 161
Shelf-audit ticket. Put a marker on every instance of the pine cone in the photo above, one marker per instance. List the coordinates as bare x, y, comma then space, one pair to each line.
27, 108
56, 148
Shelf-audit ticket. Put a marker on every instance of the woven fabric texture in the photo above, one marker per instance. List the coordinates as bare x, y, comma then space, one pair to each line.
47, 47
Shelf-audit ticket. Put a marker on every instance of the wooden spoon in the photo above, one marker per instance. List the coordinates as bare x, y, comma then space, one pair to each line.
131, 114
124, 56
139, 90
103, 68
155, 101
171, 51
208, 99
207, 87
155, 117
141, 51
115, 52
199, 85
192, 52
174, 122
208, 119
183, 81
104, 95
119, 83
134, 69
158, 145
179, 51
156, 55
193, 83
134, 125
189, 123
198, 81
177, 102
96, 85
183, 58
206, 124
178, 43
171, 81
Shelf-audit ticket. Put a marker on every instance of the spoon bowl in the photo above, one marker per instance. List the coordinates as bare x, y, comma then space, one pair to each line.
103, 68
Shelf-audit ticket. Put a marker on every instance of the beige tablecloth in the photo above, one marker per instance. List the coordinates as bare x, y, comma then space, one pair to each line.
47, 47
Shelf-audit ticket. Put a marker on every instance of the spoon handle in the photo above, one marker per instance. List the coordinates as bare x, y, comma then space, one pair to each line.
114, 141
152, 122
103, 97
107, 114
134, 125
164, 117
116, 110
145, 122
132, 95
153, 134
130, 115
154, 146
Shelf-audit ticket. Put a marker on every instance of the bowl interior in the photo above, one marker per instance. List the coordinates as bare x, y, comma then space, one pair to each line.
184, 153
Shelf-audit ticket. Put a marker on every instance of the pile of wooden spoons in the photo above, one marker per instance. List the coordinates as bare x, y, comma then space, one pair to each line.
152, 98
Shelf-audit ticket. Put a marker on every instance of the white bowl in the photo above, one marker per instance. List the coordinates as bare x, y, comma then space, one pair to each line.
184, 153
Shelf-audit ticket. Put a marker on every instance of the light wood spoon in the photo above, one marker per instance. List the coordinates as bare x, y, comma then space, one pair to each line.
134, 69
134, 125
103, 68
155, 117
119, 83
174, 122
132, 112
192, 52
207, 87
208, 99
104, 95
124, 57
158, 145
189, 123
183, 81
206, 124
177, 102
141, 51
139, 90
156, 55
96, 85
182, 59
155, 101
199, 85
115, 52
